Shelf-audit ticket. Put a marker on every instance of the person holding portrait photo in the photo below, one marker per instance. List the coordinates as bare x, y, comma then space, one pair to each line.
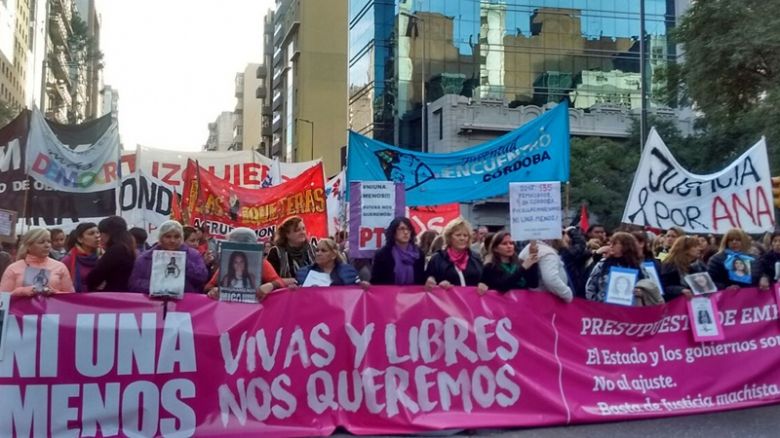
769, 264
623, 252
732, 267
701, 283
684, 258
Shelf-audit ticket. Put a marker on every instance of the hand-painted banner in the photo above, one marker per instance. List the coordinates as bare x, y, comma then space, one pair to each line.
665, 195
223, 206
537, 151
44, 203
81, 168
434, 217
374, 205
386, 360
147, 189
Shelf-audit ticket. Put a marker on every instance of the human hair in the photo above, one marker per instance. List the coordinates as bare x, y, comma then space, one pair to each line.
246, 277
437, 244
486, 242
425, 240
738, 234
593, 227
288, 225
393, 228
116, 229
492, 248
31, 236
644, 244
75, 235
140, 235
242, 235
453, 227
680, 232
333, 247
54, 232
630, 247
189, 231
679, 255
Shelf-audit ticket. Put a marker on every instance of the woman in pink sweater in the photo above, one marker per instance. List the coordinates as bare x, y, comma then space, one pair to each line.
34, 271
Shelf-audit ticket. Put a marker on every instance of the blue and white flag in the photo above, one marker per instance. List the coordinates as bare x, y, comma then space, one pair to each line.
537, 151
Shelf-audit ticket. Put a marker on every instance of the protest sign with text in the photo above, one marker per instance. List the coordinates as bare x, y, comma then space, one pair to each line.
434, 217
536, 151
222, 206
535, 210
374, 204
666, 195
387, 360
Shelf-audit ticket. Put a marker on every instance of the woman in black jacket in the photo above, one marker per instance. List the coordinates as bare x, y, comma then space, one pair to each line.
682, 260
503, 269
112, 271
456, 265
724, 267
400, 262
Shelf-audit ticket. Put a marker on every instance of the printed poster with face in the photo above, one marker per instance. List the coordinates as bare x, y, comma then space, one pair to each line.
5, 304
168, 272
240, 271
620, 286
701, 283
38, 278
739, 267
705, 324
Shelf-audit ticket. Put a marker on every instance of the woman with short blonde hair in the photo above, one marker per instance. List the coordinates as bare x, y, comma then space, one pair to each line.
35, 272
328, 260
455, 265
734, 251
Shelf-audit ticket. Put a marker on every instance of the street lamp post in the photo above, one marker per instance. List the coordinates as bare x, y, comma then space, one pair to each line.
311, 124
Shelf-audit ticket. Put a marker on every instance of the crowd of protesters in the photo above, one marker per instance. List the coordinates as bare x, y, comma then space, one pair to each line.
110, 257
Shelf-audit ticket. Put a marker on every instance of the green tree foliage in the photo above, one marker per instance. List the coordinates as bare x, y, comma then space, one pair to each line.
602, 171
730, 72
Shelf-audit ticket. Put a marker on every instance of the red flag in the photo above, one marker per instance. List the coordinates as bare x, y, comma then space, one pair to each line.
176, 213
584, 223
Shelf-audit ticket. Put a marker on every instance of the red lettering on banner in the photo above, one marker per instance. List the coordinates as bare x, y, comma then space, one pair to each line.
719, 203
169, 177
109, 171
763, 206
368, 234
41, 164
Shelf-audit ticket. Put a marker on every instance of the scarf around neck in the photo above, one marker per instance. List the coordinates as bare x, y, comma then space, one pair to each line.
459, 258
78, 261
404, 263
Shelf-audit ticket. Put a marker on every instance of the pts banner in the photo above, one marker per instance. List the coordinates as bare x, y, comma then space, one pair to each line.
386, 360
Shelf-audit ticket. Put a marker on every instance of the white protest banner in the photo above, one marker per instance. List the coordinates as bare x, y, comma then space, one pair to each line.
334, 198
535, 210
374, 205
82, 168
154, 174
665, 195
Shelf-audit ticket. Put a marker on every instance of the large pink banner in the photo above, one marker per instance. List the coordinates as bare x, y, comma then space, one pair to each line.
386, 360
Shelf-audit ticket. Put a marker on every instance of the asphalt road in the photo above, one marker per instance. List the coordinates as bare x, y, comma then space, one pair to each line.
746, 423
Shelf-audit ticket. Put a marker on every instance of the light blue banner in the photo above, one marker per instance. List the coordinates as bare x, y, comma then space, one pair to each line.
537, 151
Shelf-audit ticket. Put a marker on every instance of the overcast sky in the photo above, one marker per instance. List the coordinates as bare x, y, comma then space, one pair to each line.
174, 63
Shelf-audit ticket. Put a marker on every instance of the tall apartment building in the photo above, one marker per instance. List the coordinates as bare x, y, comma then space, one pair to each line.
221, 133
308, 79
405, 54
263, 74
73, 61
249, 101
14, 51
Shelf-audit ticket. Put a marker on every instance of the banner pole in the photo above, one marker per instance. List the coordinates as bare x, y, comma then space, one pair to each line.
567, 197
26, 206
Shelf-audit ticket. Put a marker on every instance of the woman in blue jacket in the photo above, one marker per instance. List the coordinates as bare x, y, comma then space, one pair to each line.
327, 260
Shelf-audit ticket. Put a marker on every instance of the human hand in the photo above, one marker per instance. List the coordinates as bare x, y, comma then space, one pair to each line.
733, 287
264, 290
364, 284
445, 285
208, 257
213, 293
687, 293
763, 283
430, 283
530, 261
290, 283
482, 288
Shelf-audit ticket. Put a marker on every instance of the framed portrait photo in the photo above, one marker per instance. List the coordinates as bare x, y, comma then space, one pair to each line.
620, 286
701, 283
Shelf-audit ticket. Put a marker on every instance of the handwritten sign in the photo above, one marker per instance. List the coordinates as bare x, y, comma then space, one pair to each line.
535, 210
373, 206
665, 195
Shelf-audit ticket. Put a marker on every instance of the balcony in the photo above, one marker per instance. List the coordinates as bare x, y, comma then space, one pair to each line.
266, 110
260, 92
58, 30
239, 86
261, 73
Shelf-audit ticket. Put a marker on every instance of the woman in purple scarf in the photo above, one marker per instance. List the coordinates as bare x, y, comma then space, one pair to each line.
83, 254
400, 262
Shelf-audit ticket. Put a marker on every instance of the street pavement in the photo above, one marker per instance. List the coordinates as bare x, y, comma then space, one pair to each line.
746, 423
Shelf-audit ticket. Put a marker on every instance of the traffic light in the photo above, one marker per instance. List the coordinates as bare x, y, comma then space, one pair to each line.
776, 190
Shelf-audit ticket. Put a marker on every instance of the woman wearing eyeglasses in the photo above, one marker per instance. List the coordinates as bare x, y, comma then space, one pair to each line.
400, 261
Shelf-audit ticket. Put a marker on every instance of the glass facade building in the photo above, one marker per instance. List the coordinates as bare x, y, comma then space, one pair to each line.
523, 52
